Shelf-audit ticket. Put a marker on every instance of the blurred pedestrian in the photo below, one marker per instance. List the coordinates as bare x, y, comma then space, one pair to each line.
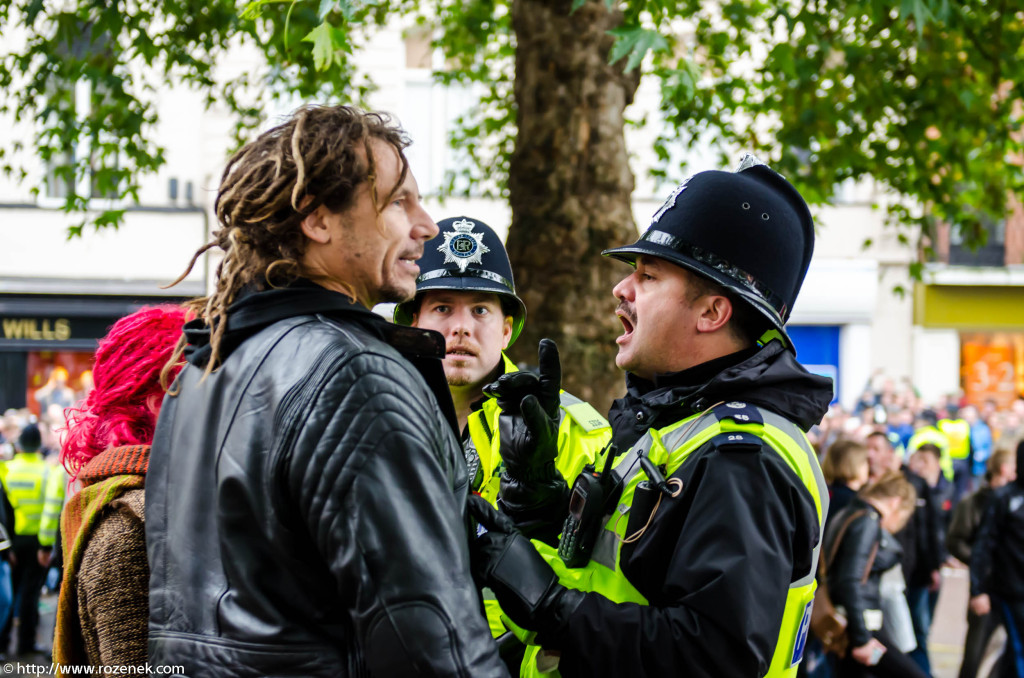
997, 568
920, 539
103, 609
846, 471
860, 547
24, 488
963, 533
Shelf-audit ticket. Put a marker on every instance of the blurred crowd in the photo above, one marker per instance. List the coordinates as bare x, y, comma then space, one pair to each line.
914, 487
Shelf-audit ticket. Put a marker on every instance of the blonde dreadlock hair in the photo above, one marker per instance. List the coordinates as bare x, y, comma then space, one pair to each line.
319, 156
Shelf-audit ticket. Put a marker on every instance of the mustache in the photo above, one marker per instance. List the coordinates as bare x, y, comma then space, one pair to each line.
625, 309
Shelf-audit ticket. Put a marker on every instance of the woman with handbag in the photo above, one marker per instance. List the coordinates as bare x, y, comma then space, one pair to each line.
859, 547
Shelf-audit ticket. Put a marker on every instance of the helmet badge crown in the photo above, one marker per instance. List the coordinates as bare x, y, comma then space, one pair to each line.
462, 246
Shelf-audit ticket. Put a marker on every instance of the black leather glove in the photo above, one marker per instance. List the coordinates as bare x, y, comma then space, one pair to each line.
511, 388
532, 491
524, 584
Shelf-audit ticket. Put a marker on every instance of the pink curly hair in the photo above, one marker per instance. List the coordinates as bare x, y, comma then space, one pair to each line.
123, 406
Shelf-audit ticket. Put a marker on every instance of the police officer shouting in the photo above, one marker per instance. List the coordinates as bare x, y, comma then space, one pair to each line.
705, 557
467, 293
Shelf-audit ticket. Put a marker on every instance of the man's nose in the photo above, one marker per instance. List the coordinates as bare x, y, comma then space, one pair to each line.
624, 290
461, 325
424, 227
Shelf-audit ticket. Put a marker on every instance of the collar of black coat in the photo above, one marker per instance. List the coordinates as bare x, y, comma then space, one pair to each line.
256, 309
767, 376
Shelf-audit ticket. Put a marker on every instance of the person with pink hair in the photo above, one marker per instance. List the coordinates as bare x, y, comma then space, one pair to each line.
103, 612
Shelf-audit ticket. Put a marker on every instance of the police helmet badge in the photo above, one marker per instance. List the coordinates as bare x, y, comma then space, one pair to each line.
462, 246
670, 202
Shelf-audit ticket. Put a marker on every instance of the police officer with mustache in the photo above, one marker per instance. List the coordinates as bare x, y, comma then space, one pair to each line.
708, 526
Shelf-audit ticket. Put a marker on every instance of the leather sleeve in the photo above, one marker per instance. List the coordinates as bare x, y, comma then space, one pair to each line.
846, 583
715, 566
381, 487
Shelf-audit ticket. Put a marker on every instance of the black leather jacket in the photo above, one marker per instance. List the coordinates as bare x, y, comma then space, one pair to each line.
305, 502
865, 550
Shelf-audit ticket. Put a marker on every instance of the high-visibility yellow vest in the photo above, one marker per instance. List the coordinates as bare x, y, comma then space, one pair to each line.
24, 482
49, 522
582, 434
671, 446
932, 435
958, 432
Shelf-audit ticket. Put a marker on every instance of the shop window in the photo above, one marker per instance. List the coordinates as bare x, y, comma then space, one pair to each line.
57, 379
991, 253
74, 101
992, 367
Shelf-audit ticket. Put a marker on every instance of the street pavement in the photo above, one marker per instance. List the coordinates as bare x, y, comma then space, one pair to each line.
946, 642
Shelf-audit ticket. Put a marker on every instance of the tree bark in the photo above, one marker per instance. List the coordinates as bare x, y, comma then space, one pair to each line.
570, 186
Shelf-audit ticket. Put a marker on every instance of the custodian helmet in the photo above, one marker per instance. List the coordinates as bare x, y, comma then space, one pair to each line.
749, 231
466, 255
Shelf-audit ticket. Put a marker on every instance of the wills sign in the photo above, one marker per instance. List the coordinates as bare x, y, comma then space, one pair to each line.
36, 329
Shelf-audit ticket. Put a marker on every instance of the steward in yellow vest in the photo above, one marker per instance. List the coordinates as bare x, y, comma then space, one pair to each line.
711, 519
927, 431
466, 292
24, 484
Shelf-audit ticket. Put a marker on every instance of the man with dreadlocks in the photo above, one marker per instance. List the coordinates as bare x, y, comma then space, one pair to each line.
306, 494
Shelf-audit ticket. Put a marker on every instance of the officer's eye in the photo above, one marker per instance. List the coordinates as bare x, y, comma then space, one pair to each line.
481, 310
440, 308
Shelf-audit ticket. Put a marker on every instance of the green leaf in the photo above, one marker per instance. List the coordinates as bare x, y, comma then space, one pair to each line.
322, 38
254, 8
635, 42
576, 4
326, 7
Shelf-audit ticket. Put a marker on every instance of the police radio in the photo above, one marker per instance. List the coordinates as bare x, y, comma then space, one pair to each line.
592, 494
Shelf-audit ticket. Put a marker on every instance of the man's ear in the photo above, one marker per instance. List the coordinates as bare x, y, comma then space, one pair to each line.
715, 312
506, 332
314, 226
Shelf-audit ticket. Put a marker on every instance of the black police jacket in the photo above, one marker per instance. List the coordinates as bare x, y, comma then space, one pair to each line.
716, 562
997, 559
305, 502
862, 553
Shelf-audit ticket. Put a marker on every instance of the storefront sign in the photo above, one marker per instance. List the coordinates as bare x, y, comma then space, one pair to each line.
36, 329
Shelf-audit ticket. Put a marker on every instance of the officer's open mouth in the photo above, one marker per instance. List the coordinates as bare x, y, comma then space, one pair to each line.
461, 352
626, 324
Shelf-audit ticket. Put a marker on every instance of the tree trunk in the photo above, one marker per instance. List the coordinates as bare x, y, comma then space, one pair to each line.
570, 187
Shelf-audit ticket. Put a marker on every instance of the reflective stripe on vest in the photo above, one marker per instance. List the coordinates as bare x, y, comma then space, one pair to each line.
671, 446
25, 484
49, 522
